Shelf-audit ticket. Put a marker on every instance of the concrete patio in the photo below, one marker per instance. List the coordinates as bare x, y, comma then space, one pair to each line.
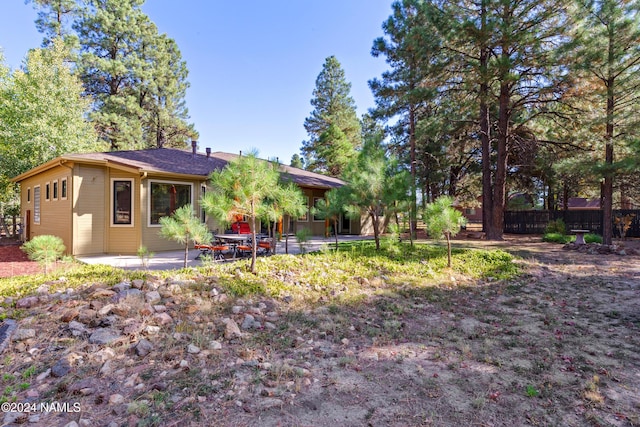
171, 260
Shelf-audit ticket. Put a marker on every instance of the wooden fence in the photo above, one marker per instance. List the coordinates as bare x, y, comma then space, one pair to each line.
535, 222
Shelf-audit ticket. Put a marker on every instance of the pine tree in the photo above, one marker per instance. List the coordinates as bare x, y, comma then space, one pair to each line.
136, 77
333, 126
608, 50
55, 18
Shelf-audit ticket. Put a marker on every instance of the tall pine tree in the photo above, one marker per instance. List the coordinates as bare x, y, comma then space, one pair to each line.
333, 126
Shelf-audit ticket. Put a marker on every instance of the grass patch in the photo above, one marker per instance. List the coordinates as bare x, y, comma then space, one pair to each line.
346, 275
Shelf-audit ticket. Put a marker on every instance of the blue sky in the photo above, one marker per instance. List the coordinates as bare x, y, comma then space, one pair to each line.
252, 64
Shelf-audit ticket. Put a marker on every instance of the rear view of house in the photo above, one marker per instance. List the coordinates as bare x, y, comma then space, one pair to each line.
113, 202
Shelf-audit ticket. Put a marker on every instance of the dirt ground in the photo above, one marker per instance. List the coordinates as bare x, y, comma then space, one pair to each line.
559, 346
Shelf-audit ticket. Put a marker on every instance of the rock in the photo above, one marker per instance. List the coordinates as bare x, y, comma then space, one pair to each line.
61, 368
87, 316
143, 347
146, 310
127, 293
137, 283
160, 308
122, 286
215, 345
102, 293
116, 399
69, 315
106, 309
248, 321
152, 330
269, 325
105, 354
152, 297
43, 375
232, 330
184, 364
193, 349
71, 424
23, 334
77, 329
27, 302
237, 309
11, 418
104, 336
162, 318
85, 387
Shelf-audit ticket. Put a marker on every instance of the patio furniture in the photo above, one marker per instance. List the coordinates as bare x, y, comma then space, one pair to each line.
238, 242
216, 250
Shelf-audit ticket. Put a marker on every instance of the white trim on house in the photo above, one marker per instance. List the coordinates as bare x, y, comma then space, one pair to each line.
112, 195
159, 181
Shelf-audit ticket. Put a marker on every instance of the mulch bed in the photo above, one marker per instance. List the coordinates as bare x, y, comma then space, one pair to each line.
14, 262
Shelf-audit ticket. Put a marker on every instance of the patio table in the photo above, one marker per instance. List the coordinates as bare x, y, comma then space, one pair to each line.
234, 240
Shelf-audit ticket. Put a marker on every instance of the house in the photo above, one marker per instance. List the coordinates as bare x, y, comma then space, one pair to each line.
112, 202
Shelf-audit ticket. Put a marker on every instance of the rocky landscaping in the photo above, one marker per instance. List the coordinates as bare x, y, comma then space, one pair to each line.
556, 345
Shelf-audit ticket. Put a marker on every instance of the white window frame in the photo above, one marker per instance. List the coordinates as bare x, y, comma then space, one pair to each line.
29, 195
37, 204
158, 181
55, 188
112, 203
47, 191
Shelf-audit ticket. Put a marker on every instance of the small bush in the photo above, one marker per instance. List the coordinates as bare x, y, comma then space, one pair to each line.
556, 227
592, 238
302, 236
44, 249
557, 238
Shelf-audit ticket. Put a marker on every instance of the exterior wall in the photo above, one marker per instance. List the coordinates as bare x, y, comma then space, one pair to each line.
55, 213
318, 227
151, 233
89, 206
123, 239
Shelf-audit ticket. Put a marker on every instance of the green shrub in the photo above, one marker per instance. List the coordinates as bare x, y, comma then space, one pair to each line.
45, 249
557, 238
556, 227
592, 238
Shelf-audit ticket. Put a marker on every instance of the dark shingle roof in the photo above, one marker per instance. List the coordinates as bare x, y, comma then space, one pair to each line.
171, 160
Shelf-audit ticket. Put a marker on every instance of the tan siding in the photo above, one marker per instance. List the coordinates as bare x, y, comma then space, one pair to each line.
55, 214
151, 233
89, 213
123, 239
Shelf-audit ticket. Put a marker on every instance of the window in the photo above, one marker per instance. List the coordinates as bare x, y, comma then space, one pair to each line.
315, 202
36, 204
28, 195
165, 198
55, 190
305, 217
63, 189
203, 214
47, 191
122, 206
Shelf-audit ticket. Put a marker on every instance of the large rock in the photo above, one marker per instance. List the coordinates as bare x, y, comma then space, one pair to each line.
143, 347
232, 330
27, 302
104, 336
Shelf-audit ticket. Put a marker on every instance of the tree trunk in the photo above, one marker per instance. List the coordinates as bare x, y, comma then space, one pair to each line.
448, 235
412, 147
485, 136
607, 188
496, 221
376, 232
